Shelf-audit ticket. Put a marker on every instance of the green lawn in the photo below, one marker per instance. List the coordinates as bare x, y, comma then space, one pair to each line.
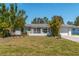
75, 35
38, 46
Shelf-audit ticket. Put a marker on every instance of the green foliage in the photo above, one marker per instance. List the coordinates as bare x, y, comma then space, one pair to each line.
55, 24
76, 22
70, 23
4, 19
20, 20
40, 20
11, 18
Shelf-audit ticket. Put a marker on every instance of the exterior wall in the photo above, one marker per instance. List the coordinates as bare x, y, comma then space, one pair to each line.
75, 31
31, 33
37, 34
65, 31
70, 31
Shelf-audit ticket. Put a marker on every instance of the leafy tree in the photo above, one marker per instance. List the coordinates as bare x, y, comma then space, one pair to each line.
45, 20
34, 21
11, 18
40, 20
76, 22
17, 17
4, 22
60, 19
55, 25
20, 22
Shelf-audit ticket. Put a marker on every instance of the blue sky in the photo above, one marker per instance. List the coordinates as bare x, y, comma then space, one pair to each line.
69, 11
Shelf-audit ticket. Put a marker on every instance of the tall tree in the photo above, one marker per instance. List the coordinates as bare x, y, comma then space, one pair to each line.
55, 25
34, 21
20, 22
70, 23
18, 17
4, 19
11, 18
45, 20
76, 22
12, 15
40, 20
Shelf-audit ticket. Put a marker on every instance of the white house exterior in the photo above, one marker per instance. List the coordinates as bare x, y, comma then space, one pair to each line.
69, 30
44, 30
66, 30
37, 29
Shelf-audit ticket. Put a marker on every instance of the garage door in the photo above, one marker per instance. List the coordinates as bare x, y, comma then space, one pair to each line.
64, 31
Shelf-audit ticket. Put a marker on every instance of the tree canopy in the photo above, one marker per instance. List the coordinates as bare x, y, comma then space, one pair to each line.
11, 17
40, 20
76, 22
55, 24
70, 23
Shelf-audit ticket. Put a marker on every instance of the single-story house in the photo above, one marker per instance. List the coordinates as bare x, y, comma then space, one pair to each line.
69, 30
44, 30
37, 29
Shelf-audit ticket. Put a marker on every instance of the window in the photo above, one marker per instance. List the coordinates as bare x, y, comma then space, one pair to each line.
37, 30
34, 30
45, 30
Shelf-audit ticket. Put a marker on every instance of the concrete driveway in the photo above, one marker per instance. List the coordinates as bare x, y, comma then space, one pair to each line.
73, 38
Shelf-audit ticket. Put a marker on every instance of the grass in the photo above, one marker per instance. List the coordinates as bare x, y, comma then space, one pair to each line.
38, 46
75, 35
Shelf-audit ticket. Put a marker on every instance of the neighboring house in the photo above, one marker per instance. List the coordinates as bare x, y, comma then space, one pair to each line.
44, 30
69, 30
